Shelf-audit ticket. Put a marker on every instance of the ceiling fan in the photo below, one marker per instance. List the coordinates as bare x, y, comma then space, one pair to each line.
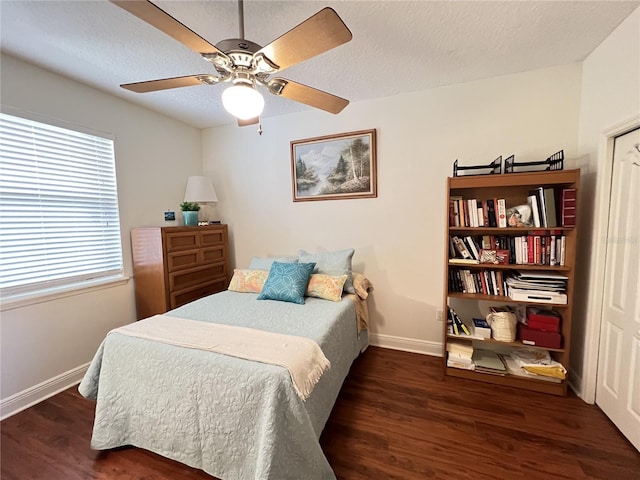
246, 64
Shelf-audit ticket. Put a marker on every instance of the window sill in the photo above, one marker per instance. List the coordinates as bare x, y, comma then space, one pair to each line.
50, 294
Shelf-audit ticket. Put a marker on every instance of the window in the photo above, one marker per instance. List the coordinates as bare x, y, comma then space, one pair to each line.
59, 221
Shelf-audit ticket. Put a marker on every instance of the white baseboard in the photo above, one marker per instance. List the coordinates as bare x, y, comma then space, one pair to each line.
36, 394
406, 344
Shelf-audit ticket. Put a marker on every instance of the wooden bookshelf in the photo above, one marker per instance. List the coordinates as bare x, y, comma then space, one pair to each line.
514, 189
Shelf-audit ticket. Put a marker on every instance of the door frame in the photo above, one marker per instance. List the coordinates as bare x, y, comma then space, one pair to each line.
604, 170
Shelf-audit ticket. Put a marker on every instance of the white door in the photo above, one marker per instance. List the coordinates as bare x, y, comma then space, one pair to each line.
618, 381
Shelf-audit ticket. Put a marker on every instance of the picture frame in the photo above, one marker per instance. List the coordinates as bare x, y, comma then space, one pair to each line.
334, 167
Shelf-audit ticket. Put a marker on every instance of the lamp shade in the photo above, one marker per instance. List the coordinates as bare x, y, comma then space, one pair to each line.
200, 190
243, 101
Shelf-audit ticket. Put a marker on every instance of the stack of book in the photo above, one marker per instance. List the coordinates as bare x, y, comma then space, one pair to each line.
460, 355
545, 287
488, 361
539, 249
550, 208
472, 212
542, 328
486, 282
465, 248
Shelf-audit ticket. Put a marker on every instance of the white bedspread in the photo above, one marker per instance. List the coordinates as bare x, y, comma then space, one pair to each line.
302, 357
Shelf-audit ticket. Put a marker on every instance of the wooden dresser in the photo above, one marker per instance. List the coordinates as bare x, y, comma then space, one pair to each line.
176, 265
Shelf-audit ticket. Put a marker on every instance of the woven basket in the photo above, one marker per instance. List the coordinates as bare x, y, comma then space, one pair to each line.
503, 326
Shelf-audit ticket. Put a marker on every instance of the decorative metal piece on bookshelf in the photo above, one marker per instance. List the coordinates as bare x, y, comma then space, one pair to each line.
493, 168
554, 162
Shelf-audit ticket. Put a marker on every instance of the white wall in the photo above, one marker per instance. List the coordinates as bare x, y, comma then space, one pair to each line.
398, 237
610, 96
154, 156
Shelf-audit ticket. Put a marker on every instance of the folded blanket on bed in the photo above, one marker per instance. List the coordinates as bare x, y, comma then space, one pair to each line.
301, 356
362, 312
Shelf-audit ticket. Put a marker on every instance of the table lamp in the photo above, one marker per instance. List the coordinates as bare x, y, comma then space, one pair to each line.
200, 190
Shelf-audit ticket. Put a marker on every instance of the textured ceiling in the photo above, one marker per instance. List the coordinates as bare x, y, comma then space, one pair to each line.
397, 46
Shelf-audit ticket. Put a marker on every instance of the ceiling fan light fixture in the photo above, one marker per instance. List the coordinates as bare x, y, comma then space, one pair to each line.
243, 101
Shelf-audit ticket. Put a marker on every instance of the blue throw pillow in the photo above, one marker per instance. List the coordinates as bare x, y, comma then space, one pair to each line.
287, 282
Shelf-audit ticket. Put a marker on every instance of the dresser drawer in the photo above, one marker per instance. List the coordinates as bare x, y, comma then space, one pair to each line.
193, 258
210, 238
183, 259
213, 254
194, 293
182, 240
196, 276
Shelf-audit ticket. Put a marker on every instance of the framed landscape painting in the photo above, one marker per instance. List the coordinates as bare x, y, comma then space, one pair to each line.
334, 167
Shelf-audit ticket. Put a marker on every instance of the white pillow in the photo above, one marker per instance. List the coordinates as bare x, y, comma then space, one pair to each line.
331, 263
259, 263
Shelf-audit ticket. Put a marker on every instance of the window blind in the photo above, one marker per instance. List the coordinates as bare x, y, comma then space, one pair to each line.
59, 219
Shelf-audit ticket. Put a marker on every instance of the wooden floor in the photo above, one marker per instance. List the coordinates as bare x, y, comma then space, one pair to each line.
396, 418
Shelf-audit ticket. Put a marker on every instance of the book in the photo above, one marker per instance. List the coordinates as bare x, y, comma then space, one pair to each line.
463, 261
485, 213
452, 214
489, 360
464, 214
552, 251
491, 212
502, 213
452, 357
463, 366
568, 207
473, 212
533, 203
461, 247
472, 247
539, 194
458, 325
481, 328
550, 207
454, 204
462, 349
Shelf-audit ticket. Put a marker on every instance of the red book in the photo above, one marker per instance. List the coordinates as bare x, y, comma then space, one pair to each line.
539, 338
568, 207
452, 214
485, 213
541, 319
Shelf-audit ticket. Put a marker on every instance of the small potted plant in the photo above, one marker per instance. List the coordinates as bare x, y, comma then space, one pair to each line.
190, 213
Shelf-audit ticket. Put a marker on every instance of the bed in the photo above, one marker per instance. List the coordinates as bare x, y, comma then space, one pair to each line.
234, 418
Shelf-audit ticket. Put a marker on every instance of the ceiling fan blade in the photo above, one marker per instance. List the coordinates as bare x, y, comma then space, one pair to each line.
165, 83
317, 34
250, 121
156, 17
307, 95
